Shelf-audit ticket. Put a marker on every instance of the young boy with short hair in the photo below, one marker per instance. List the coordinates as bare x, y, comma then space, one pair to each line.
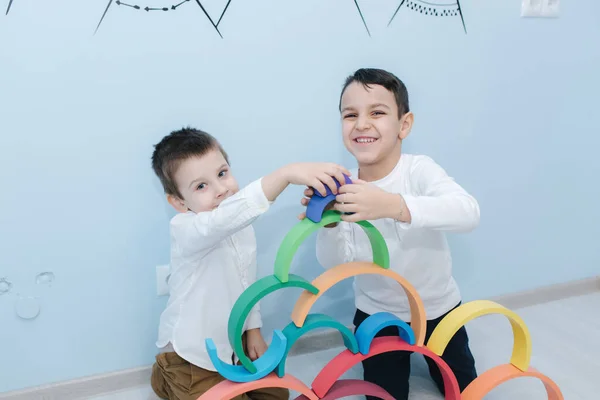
413, 202
213, 258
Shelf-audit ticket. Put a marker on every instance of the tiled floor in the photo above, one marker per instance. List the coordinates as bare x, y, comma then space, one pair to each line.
566, 347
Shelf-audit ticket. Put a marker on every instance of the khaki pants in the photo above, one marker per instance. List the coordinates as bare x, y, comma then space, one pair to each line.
174, 378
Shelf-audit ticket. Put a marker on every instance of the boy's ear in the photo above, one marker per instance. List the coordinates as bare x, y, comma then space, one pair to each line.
177, 203
406, 124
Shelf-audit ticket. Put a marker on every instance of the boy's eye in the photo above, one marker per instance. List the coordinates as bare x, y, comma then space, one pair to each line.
378, 113
222, 173
349, 116
201, 186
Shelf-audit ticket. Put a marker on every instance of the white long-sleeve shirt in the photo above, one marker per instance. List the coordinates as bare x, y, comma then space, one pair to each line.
213, 260
418, 250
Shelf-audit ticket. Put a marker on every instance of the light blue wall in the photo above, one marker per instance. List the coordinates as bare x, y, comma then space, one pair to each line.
509, 110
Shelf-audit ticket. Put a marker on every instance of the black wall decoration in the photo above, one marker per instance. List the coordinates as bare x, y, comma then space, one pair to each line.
172, 7
8, 8
447, 9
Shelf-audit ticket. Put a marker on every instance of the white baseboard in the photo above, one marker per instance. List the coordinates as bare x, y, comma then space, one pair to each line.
84, 388
549, 293
97, 385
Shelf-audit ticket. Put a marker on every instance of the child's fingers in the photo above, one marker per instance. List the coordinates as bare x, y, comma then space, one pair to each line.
340, 177
301, 216
261, 352
346, 198
343, 170
354, 187
319, 187
252, 354
328, 180
337, 172
356, 217
346, 207
308, 192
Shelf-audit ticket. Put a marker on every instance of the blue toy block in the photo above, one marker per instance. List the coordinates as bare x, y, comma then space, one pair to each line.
366, 332
317, 203
264, 365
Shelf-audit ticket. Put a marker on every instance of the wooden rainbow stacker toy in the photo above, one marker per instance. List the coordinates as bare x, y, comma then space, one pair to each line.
269, 369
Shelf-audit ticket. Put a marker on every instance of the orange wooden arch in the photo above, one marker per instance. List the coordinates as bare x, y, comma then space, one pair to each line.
343, 271
496, 376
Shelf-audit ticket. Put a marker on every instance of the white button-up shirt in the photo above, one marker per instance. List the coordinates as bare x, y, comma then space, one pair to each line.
419, 251
213, 260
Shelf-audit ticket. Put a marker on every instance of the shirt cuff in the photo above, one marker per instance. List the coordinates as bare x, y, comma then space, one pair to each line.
416, 218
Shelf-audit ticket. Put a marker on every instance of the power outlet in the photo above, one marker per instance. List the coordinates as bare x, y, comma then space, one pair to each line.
162, 279
540, 8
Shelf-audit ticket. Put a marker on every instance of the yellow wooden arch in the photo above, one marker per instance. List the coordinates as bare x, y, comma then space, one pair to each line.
461, 315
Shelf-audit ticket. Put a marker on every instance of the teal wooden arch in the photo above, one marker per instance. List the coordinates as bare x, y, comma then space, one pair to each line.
314, 321
247, 300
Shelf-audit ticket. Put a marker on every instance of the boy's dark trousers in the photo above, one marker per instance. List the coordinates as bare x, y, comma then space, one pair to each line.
392, 370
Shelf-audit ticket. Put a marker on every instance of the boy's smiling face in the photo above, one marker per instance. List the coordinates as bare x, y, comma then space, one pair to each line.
204, 182
371, 127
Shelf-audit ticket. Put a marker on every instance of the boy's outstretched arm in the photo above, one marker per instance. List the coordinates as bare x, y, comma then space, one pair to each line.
441, 204
316, 175
204, 230
197, 233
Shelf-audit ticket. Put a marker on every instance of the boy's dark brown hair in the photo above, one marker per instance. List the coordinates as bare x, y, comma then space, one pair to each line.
374, 76
179, 146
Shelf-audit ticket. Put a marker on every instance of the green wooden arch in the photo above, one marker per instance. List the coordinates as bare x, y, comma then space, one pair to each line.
303, 229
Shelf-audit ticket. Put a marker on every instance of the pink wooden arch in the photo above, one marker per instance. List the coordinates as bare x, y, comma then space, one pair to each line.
227, 390
346, 360
353, 387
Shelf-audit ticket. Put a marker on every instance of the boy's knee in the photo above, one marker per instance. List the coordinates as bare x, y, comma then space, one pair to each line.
158, 383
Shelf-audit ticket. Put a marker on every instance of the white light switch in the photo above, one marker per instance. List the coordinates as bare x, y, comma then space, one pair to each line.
540, 8
551, 8
162, 279
531, 8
